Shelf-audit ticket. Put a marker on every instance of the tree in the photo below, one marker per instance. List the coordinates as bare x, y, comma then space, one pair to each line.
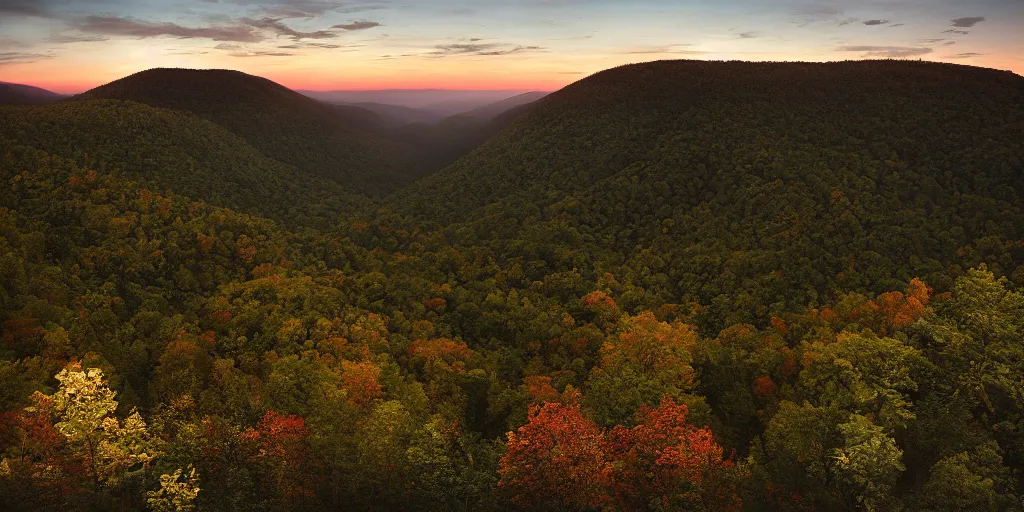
280, 450
555, 461
174, 495
975, 481
864, 373
646, 359
976, 340
83, 407
868, 463
666, 461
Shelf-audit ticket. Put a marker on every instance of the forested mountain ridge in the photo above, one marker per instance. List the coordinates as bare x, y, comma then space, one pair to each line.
549, 347
726, 183
284, 125
171, 150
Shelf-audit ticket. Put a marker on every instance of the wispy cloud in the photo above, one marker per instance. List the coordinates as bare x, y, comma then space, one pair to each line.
886, 52
967, 55
955, 31
357, 25
680, 49
307, 9
967, 22
486, 49
262, 54
24, 8
75, 38
871, 23
131, 27
22, 57
277, 27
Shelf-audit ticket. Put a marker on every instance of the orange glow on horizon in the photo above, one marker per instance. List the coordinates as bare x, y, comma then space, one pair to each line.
77, 81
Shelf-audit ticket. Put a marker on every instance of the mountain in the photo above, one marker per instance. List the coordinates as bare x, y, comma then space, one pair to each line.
396, 116
18, 94
724, 181
281, 123
497, 108
176, 151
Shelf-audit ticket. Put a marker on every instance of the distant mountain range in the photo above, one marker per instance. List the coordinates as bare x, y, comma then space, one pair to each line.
444, 102
368, 149
18, 94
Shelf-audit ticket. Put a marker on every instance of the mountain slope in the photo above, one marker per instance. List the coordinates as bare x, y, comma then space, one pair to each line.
18, 94
169, 150
733, 179
281, 123
500, 107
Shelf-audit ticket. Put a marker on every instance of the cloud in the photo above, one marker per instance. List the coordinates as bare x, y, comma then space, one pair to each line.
848, 21
488, 49
875, 22
656, 50
275, 26
947, 43
75, 38
131, 27
262, 54
21, 57
957, 32
325, 46
963, 55
886, 52
358, 25
749, 35
967, 22
24, 8
307, 9
897, 25
814, 13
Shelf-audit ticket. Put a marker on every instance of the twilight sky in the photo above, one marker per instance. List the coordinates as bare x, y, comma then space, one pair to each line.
72, 45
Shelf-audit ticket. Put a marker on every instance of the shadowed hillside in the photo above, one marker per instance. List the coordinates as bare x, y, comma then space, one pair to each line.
170, 150
283, 124
714, 177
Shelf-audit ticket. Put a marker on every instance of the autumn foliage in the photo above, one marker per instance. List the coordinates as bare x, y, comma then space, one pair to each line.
562, 460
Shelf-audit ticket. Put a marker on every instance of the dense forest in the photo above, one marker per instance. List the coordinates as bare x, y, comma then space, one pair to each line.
670, 286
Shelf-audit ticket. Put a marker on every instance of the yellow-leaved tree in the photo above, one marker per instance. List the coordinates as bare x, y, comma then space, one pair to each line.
82, 409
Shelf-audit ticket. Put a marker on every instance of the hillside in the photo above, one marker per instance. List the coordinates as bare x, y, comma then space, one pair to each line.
752, 186
18, 94
169, 150
497, 108
282, 124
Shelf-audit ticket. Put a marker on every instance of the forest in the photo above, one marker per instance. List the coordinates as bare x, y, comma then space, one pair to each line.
679, 285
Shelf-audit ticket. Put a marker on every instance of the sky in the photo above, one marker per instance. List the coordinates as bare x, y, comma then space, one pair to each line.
72, 45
